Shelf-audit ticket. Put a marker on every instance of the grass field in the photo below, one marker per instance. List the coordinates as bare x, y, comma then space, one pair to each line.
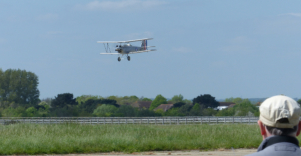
76, 138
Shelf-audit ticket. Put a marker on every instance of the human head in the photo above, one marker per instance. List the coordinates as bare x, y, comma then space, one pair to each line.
279, 115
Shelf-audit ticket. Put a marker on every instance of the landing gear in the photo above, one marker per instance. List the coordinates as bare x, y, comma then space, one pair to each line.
129, 58
119, 59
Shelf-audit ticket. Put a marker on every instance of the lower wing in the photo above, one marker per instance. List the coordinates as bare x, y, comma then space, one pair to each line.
135, 52
109, 53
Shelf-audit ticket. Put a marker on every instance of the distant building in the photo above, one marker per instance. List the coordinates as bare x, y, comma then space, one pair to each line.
141, 104
232, 105
164, 107
224, 105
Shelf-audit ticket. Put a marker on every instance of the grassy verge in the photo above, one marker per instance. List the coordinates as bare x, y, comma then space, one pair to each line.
76, 138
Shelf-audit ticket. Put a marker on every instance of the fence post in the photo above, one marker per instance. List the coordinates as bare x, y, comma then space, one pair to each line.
148, 121
185, 121
216, 119
177, 120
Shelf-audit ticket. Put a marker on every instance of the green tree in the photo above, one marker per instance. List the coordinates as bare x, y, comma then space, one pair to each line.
19, 86
209, 112
245, 108
126, 111
64, 105
172, 112
196, 110
145, 99
157, 101
187, 101
237, 100
89, 105
147, 113
31, 111
206, 100
184, 110
105, 110
160, 111
128, 99
14, 112
177, 98
84, 98
63, 100
179, 104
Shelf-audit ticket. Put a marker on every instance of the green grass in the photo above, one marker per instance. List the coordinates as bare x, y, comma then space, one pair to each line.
76, 138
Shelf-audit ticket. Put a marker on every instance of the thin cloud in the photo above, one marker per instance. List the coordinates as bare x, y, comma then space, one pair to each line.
120, 5
293, 14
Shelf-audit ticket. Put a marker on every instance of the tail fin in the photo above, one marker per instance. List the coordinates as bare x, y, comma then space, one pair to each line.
144, 44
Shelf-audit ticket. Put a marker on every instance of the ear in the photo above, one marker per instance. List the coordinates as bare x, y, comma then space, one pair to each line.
262, 129
299, 128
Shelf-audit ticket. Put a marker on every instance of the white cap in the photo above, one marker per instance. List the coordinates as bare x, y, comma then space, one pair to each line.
278, 107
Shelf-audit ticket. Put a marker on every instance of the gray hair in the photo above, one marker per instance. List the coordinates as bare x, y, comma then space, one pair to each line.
282, 131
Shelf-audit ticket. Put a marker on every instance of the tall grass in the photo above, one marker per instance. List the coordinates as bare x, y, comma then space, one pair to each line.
77, 138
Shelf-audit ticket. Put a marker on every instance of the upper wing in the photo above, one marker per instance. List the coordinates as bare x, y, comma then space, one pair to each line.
124, 41
135, 52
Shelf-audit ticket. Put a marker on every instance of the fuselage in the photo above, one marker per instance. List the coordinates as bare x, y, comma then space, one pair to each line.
127, 48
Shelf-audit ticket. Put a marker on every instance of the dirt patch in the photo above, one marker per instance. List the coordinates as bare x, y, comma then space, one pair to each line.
219, 152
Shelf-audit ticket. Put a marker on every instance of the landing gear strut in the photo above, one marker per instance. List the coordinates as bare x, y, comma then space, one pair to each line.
119, 59
129, 58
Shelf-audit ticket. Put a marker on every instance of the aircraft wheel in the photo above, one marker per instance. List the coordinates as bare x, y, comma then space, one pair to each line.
119, 59
129, 58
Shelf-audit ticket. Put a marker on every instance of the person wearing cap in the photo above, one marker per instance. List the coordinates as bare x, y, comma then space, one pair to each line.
279, 126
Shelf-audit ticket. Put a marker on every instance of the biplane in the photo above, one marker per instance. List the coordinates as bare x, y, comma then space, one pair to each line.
125, 48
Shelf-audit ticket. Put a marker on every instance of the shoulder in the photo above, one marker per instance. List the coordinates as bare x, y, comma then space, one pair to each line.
279, 149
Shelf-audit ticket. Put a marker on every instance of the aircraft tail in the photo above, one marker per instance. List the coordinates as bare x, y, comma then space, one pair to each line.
144, 44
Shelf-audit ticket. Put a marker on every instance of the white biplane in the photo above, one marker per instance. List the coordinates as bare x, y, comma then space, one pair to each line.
125, 48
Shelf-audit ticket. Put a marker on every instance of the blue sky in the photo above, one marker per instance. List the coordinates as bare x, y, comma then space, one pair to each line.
233, 48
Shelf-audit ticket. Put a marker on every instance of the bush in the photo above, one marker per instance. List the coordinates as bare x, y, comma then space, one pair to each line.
104, 110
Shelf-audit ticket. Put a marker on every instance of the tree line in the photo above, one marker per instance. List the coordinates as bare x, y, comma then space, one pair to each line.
19, 97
